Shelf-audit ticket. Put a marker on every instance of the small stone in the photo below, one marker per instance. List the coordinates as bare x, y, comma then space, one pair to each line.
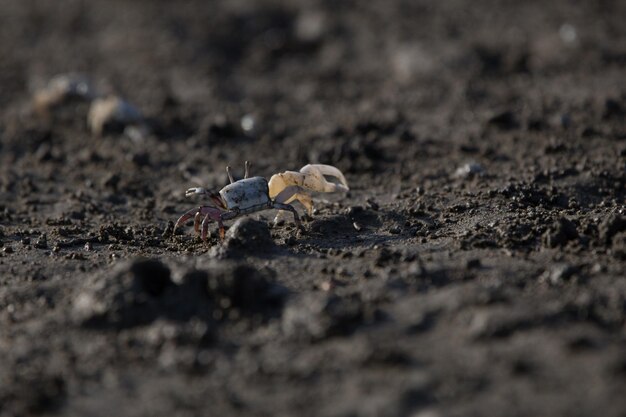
7, 249
137, 133
112, 114
247, 123
561, 272
568, 34
469, 169
310, 26
326, 285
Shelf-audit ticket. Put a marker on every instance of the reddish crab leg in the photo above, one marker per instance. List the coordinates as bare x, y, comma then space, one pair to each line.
182, 219
196, 222
209, 213
205, 227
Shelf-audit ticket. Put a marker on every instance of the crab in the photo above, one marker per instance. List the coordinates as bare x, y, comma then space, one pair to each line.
252, 194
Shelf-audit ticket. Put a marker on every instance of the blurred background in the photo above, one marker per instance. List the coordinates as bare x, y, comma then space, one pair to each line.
476, 264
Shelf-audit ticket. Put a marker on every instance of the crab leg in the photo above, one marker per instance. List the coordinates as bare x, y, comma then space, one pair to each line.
226, 215
188, 215
221, 229
287, 207
210, 213
196, 222
292, 193
289, 194
205, 227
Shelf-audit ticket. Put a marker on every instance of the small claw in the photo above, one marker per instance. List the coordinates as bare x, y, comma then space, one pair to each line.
195, 190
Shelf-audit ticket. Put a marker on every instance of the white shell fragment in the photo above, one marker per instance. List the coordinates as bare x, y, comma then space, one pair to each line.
112, 111
246, 193
568, 34
247, 123
62, 88
470, 168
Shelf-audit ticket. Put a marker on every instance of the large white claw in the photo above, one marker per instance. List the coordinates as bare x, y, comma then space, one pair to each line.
288, 186
329, 170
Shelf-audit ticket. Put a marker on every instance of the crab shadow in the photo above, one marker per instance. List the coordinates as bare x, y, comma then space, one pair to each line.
356, 228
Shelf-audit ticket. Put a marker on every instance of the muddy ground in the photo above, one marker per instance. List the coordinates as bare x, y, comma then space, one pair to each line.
476, 266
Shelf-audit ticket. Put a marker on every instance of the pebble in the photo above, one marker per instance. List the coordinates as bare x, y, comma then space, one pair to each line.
561, 272
112, 113
469, 169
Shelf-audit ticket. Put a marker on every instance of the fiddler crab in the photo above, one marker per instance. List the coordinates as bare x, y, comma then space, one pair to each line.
250, 195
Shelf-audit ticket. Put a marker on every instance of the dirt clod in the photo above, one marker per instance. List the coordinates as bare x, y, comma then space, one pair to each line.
561, 232
611, 226
321, 315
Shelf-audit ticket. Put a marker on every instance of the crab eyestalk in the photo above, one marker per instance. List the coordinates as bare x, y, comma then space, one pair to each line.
230, 175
